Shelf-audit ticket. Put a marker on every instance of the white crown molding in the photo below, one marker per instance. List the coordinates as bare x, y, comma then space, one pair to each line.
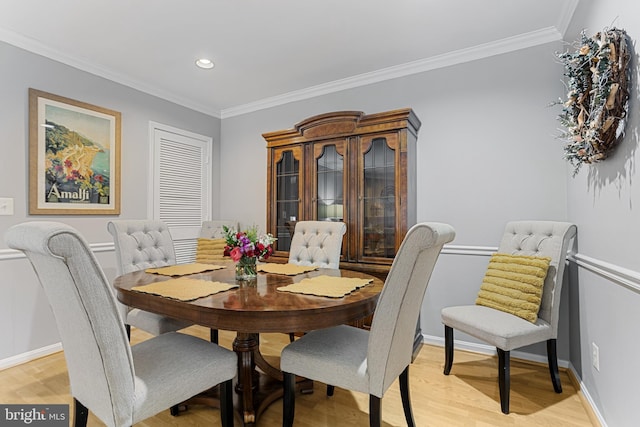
565, 16
39, 48
534, 38
510, 44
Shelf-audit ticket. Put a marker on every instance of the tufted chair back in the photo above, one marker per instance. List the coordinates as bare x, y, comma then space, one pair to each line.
317, 243
542, 238
213, 229
211, 243
141, 244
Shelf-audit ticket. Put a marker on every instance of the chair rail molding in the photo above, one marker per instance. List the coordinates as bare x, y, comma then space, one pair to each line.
8, 254
614, 273
469, 250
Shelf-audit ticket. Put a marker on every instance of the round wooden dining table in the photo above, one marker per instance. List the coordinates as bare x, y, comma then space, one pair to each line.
251, 308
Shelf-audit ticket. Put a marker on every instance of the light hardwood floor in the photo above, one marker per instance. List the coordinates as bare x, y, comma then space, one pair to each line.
467, 397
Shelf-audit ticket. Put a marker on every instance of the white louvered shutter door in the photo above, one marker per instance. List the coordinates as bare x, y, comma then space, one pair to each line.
182, 186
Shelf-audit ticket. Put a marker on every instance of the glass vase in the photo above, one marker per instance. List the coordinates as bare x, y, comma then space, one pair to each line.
246, 268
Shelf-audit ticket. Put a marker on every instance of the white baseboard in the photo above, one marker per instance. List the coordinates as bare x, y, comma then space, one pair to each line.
587, 396
426, 339
491, 351
30, 355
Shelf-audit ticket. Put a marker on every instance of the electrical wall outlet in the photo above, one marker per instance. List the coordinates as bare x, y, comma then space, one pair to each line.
6, 206
595, 356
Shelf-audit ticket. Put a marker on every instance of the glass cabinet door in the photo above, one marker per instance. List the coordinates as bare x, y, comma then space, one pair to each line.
378, 196
329, 177
288, 188
346, 166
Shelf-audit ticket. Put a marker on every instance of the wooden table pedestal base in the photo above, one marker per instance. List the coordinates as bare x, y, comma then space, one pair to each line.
255, 374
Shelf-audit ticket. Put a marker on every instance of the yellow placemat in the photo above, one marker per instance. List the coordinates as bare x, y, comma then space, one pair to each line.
286, 269
185, 289
326, 286
183, 269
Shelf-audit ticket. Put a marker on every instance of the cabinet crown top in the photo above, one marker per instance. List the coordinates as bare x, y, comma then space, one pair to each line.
338, 123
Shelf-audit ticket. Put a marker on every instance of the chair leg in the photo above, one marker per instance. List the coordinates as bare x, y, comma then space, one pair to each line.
213, 336
226, 403
552, 356
375, 411
174, 410
81, 414
330, 390
504, 379
448, 349
406, 398
289, 399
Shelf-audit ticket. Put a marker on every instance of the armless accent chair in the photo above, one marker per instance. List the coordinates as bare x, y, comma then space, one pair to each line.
142, 244
119, 383
370, 361
506, 331
317, 243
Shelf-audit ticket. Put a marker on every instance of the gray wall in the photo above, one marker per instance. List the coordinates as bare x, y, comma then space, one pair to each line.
495, 132
486, 155
27, 323
604, 201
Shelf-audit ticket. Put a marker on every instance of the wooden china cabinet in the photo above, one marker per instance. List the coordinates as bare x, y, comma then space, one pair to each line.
351, 167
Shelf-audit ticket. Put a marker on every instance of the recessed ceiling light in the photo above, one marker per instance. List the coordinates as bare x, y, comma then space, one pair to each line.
204, 63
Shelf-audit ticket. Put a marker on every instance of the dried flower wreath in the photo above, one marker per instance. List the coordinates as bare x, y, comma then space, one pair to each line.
597, 96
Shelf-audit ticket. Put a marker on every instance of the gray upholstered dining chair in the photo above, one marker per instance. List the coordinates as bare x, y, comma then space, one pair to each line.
370, 361
213, 229
120, 384
317, 243
210, 247
507, 331
142, 244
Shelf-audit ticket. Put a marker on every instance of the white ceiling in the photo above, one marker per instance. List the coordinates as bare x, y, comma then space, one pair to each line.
268, 52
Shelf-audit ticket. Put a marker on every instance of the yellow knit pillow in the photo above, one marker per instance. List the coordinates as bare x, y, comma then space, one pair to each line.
210, 250
514, 284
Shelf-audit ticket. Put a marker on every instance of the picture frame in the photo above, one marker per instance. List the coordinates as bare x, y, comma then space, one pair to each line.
74, 157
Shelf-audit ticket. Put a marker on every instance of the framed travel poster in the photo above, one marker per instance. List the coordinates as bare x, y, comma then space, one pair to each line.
74, 157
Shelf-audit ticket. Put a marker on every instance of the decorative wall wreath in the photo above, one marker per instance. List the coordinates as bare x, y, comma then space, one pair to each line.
597, 96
